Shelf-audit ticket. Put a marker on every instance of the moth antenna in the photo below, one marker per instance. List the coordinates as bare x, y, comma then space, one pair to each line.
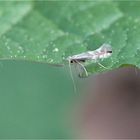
102, 65
83, 68
71, 74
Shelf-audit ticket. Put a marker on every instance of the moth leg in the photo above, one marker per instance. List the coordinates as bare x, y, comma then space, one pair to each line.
79, 69
83, 68
102, 65
97, 61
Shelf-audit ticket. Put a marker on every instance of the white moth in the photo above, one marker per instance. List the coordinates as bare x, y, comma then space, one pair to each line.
104, 51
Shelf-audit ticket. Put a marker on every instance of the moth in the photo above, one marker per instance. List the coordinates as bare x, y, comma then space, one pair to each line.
104, 51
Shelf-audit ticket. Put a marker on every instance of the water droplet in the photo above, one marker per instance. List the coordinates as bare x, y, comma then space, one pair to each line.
50, 60
44, 50
55, 50
44, 56
20, 49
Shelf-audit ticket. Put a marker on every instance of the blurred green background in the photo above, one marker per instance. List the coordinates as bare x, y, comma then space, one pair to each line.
34, 100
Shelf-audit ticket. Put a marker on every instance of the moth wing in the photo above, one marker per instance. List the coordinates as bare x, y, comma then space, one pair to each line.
82, 56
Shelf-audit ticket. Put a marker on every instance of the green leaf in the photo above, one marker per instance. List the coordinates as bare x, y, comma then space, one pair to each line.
130, 8
11, 13
50, 31
123, 35
124, 38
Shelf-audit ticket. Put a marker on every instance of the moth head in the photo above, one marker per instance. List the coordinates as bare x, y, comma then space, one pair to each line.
106, 48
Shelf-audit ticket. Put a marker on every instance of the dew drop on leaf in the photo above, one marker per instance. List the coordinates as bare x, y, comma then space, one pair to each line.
50, 60
44, 56
20, 50
55, 50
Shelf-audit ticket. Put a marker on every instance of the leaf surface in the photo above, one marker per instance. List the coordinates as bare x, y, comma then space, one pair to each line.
50, 31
